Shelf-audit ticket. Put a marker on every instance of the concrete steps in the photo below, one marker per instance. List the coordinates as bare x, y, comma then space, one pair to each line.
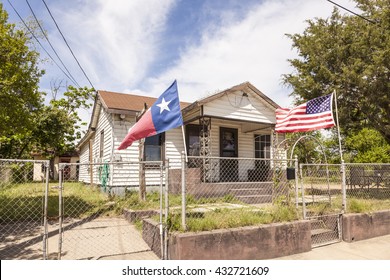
253, 193
324, 230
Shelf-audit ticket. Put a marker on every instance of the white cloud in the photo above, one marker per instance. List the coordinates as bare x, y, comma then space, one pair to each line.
254, 49
118, 42
115, 42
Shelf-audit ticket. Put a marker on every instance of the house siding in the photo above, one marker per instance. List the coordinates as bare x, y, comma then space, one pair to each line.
104, 124
84, 169
237, 107
174, 145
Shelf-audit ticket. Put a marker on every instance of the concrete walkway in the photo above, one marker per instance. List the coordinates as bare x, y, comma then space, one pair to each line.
377, 248
102, 238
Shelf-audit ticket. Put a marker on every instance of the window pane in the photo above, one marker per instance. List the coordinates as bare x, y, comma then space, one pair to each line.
152, 153
153, 148
194, 145
153, 140
262, 146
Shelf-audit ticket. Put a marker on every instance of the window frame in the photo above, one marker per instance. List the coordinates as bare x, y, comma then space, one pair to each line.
161, 141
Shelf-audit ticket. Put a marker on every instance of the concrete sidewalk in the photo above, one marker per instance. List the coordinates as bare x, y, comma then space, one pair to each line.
377, 248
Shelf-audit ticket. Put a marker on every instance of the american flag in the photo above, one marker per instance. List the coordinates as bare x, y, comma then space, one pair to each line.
312, 115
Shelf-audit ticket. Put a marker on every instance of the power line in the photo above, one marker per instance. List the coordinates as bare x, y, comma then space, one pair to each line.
32, 33
44, 34
356, 14
63, 37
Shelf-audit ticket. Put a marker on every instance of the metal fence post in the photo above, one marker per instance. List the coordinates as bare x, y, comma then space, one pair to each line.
344, 190
60, 187
45, 236
166, 209
161, 211
303, 193
296, 181
183, 191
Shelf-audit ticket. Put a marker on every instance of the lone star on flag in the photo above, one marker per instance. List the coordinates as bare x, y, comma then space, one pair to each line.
164, 105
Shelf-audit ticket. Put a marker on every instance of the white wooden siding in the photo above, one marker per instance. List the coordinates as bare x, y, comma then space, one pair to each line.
235, 106
174, 145
105, 125
84, 158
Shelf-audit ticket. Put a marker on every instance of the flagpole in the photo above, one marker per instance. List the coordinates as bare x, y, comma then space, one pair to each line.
343, 175
338, 126
184, 141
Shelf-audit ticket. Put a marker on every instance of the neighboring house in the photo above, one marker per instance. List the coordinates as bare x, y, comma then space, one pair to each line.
70, 172
235, 123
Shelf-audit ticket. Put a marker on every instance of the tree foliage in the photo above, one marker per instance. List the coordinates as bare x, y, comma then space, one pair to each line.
349, 55
308, 147
19, 77
58, 124
26, 123
367, 146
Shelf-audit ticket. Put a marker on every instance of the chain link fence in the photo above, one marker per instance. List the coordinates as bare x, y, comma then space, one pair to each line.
322, 201
124, 210
330, 190
102, 206
23, 211
368, 181
231, 192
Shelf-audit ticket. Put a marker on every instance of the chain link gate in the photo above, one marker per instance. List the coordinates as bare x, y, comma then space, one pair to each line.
23, 209
103, 207
322, 201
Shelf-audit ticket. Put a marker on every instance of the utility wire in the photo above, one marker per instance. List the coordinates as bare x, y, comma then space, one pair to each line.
44, 34
63, 37
366, 19
29, 30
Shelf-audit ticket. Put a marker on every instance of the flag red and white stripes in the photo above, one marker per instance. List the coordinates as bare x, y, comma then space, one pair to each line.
312, 115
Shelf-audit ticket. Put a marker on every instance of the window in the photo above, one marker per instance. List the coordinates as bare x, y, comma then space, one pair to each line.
228, 142
153, 147
101, 144
262, 146
193, 139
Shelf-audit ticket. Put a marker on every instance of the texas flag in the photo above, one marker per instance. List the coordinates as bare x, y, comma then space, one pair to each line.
164, 114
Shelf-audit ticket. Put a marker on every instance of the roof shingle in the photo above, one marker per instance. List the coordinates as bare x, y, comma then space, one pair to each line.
123, 101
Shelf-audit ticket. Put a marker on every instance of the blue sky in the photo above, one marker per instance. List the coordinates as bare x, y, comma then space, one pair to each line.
141, 46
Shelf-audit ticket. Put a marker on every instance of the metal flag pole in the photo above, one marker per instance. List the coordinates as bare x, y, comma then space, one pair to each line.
185, 144
338, 126
343, 184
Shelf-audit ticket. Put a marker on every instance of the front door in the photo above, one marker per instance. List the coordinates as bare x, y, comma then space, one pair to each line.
228, 149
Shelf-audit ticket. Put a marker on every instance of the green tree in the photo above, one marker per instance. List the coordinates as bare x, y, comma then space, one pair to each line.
309, 147
19, 77
26, 123
349, 55
367, 146
57, 126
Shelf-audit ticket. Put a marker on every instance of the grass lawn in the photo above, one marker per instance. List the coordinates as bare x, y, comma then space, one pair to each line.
25, 202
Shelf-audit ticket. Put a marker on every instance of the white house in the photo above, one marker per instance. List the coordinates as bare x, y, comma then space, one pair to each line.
234, 123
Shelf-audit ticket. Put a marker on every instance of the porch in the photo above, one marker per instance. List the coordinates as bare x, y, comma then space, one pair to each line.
252, 181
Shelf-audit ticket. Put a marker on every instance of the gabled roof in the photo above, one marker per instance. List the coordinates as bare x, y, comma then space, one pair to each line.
121, 101
241, 87
128, 102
